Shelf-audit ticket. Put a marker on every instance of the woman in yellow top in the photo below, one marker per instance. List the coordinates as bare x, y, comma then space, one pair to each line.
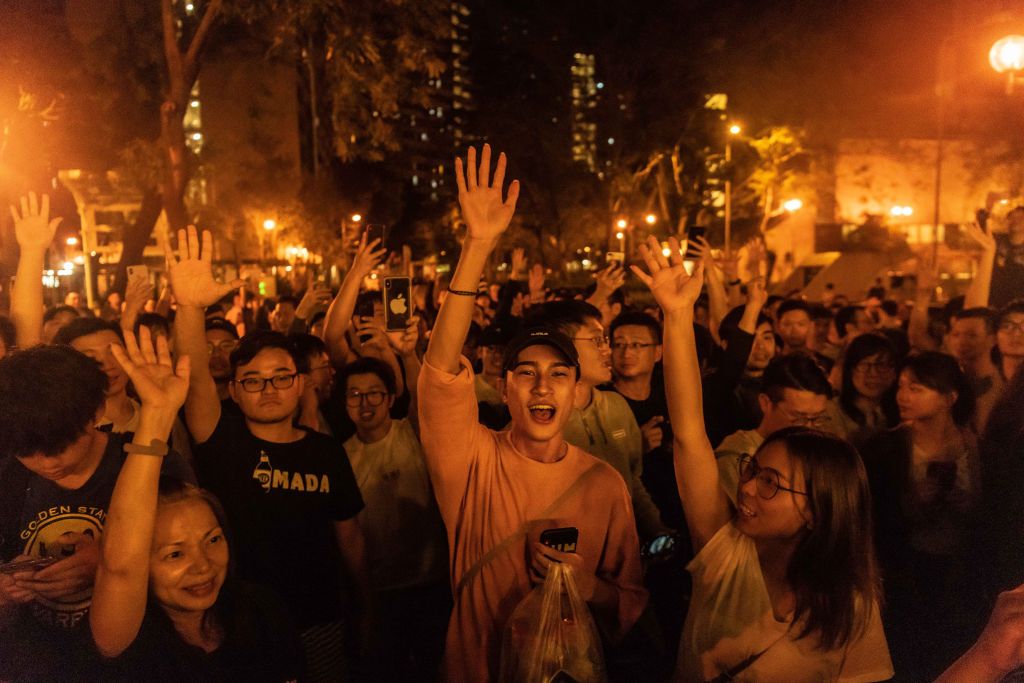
786, 588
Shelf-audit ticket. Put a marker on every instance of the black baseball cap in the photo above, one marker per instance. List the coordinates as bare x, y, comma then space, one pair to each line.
547, 336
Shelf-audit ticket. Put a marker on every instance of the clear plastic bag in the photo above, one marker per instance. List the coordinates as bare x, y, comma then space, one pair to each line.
551, 637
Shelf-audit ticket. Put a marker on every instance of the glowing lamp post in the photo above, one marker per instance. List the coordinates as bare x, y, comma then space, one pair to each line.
792, 205
650, 219
734, 130
1007, 57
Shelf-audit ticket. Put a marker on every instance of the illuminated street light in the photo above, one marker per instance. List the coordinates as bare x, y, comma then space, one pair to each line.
619, 235
72, 241
68, 265
621, 224
735, 129
1007, 57
792, 205
651, 219
666, 252
356, 217
269, 224
902, 211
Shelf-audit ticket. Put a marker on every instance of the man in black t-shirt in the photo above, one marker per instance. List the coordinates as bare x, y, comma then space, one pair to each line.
56, 481
289, 492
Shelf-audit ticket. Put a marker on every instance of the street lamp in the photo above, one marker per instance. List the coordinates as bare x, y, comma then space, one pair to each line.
72, 241
357, 217
650, 219
621, 224
792, 205
1007, 57
269, 224
734, 130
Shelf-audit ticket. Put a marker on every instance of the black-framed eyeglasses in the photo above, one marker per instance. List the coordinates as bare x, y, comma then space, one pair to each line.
226, 346
631, 346
599, 342
800, 420
354, 399
767, 479
255, 385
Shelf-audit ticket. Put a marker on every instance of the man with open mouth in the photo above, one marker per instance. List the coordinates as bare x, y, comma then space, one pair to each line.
497, 491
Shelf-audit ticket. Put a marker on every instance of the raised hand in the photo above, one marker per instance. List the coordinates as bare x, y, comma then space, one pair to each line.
404, 341
536, 282
486, 214
137, 293
985, 239
673, 289
609, 280
191, 273
317, 295
160, 386
519, 264
757, 294
367, 257
757, 258
927, 275
33, 228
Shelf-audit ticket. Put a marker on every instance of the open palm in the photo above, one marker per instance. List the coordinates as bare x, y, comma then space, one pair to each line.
487, 215
148, 364
191, 272
673, 289
33, 227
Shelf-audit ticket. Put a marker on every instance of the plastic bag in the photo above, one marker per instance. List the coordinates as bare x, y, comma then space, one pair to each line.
551, 637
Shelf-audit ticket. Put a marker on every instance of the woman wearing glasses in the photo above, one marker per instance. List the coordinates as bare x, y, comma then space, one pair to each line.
866, 404
785, 588
925, 483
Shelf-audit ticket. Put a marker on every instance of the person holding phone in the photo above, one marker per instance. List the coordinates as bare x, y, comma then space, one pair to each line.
925, 483
166, 605
498, 491
785, 588
57, 476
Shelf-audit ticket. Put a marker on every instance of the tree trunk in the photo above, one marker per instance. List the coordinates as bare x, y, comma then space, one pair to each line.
136, 236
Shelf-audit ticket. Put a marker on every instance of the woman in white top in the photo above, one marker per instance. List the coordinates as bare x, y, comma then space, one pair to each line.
786, 588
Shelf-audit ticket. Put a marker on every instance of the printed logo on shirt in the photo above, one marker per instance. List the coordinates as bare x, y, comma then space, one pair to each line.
271, 478
619, 434
60, 532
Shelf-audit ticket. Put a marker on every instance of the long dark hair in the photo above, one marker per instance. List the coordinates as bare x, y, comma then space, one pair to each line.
865, 346
833, 571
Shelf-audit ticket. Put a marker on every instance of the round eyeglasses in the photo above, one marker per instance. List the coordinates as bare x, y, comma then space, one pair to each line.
767, 479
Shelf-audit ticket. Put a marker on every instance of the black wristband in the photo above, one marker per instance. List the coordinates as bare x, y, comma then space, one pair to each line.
461, 292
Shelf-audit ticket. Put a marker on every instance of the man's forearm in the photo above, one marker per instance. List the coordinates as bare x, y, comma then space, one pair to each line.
27, 298
456, 313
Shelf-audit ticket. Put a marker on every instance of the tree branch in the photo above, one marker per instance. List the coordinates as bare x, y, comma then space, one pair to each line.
195, 48
171, 52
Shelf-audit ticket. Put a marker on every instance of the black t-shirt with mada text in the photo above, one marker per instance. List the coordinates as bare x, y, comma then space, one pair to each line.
282, 500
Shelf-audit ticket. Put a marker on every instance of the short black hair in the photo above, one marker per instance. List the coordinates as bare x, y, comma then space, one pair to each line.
222, 325
636, 318
976, 313
287, 299
566, 315
152, 320
254, 342
792, 305
1015, 306
53, 312
368, 365
48, 397
891, 307
83, 327
304, 346
845, 316
794, 371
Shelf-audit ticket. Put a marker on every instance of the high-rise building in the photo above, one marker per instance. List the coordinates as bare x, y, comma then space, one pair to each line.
438, 133
584, 102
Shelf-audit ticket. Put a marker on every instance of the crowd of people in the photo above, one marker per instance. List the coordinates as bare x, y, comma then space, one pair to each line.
204, 485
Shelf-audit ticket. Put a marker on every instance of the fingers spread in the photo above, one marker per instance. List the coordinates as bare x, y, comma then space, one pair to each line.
483, 177
471, 168
499, 171
513, 195
460, 178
